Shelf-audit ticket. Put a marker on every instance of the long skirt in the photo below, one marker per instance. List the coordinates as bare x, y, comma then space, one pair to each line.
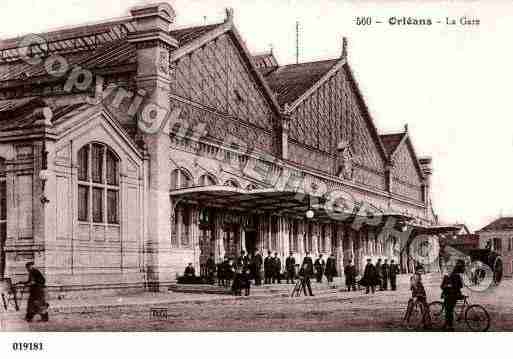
36, 303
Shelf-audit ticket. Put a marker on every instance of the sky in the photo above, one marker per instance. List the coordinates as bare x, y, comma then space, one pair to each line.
450, 84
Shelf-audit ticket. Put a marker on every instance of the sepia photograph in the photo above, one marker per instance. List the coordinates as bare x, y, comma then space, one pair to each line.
255, 166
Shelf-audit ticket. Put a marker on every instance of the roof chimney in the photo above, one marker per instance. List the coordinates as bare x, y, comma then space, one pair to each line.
157, 16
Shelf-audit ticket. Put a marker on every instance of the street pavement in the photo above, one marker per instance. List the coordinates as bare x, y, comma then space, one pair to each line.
268, 309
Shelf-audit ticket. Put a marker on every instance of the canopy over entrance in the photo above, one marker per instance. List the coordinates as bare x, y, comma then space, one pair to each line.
289, 203
434, 230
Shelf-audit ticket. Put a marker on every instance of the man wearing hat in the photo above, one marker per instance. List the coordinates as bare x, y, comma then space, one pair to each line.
290, 268
370, 277
394, 271
451, 292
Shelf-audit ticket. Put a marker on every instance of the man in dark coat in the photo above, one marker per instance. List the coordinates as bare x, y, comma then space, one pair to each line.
370, 277
36, 303
309, 264
378, 272
276, 268
350, 274
394, 271
222, 272
268, 268
331, 268
319, 265
189, 271
237, 282
290, 268
211, 268
229, 271
245, 281
243, 261
451, 292
258, 261
385, 274
304, 277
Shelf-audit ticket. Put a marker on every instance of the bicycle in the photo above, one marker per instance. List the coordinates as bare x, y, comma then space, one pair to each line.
417, 314
476, 317
9, 294
298, 288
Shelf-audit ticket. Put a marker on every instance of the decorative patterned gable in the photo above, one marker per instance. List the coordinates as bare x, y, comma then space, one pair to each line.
216, 76
405, 168
332, 115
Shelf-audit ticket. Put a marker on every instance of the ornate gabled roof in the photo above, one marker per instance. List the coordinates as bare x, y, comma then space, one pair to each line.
289, 82
501, 224
391, 141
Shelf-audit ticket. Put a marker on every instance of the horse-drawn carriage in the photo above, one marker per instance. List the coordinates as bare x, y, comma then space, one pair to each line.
481, 264
489, 258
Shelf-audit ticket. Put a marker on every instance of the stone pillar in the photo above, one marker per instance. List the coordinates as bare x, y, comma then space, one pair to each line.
153, 44
194, 233
242, 239
285, 248
44, 206
349, 246
219, 237
315, 240
260, 235
301, 239
339, 249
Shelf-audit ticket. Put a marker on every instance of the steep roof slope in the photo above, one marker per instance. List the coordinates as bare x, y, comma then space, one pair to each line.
289, 82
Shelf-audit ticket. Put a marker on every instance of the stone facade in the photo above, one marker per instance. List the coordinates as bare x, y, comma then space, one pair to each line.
88, 191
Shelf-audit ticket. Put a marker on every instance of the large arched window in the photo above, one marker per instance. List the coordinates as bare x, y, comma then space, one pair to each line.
207, 180
98, 184
180, 178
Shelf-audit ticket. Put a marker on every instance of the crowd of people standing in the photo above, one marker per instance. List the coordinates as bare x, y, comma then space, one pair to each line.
239, 272
379, 275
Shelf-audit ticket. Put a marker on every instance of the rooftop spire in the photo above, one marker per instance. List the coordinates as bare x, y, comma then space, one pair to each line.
229, 14
344, 47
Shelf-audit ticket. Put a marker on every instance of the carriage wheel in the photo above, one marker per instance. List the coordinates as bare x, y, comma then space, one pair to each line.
437, 312
477, 318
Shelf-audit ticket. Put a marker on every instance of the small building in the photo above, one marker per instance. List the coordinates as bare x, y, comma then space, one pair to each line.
498, 236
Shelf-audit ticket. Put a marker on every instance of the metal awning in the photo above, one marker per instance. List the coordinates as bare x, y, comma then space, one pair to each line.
290, 203
434, 230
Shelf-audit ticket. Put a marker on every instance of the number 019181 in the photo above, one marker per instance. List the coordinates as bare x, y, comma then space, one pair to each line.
363, 20
22, 347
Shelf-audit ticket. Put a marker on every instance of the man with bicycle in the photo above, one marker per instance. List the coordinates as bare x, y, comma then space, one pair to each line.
451, 292
418, 294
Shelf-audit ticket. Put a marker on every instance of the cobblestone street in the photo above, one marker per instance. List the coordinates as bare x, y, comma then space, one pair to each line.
268, 309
